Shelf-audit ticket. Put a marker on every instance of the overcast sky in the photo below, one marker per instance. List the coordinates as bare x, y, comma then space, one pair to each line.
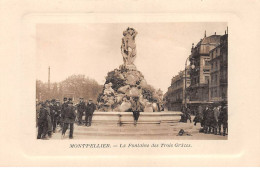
94, 49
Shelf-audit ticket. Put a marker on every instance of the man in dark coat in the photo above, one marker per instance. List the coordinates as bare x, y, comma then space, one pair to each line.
53, 114
205, 119
199, 116
63, 107
48, 108
136, 108
81, 107
69, 118
65, 103
57, 110
216, 116
188, 113
38, 108
185, 114
90, 108
58, 113
42, 123
223, 119
209, 121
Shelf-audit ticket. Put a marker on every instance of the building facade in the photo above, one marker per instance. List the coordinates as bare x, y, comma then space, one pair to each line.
214, 86
207, 80
175, 96
200, 75
219, 71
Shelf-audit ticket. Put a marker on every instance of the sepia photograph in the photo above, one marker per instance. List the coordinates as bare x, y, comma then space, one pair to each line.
148, 81
131, 83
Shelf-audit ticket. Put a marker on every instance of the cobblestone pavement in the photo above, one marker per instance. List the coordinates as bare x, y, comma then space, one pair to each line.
164, 131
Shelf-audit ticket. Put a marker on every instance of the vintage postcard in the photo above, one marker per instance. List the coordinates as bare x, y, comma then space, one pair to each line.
159, 88
108, 91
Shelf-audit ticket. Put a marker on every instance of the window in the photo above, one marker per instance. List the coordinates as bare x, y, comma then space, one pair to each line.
206, 62
215, 91
207, 49
224, 56
224, 74
206, 79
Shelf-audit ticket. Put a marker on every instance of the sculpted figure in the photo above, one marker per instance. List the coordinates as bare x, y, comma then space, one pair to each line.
108, 89
128, 47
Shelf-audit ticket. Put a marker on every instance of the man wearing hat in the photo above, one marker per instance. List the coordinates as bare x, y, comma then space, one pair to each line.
90, 108
49, 129
69, 118
136, 108
216, 116
58, 113
199, 116
42, 122
53, 114
206, 119
65, 103
63, 107
223, 118
81, 107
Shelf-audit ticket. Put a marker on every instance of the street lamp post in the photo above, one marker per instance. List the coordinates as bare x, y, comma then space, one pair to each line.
185, 87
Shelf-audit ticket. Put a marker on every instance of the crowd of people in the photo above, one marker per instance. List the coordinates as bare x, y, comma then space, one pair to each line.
53, 114
213, 118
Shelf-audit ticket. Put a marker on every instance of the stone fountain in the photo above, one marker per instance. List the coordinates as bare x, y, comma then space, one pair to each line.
126, 83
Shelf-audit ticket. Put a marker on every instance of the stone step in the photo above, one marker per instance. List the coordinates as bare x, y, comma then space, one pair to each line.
125, 134
128, 116
145, 125
132, 121
130, 129
170, 113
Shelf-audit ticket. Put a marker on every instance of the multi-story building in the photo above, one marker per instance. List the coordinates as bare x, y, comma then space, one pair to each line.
214, 85
175, 96
200, 75
207, 81
219, 72
224, 67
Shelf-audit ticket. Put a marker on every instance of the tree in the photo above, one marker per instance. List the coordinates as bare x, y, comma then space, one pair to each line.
77, 85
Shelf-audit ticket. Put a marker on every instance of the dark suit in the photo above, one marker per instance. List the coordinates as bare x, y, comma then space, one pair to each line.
90, 108
223, 119
63, 107
42, 123
69, 118
81, 109
209, 120
136, 108
199, 116
53, 114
